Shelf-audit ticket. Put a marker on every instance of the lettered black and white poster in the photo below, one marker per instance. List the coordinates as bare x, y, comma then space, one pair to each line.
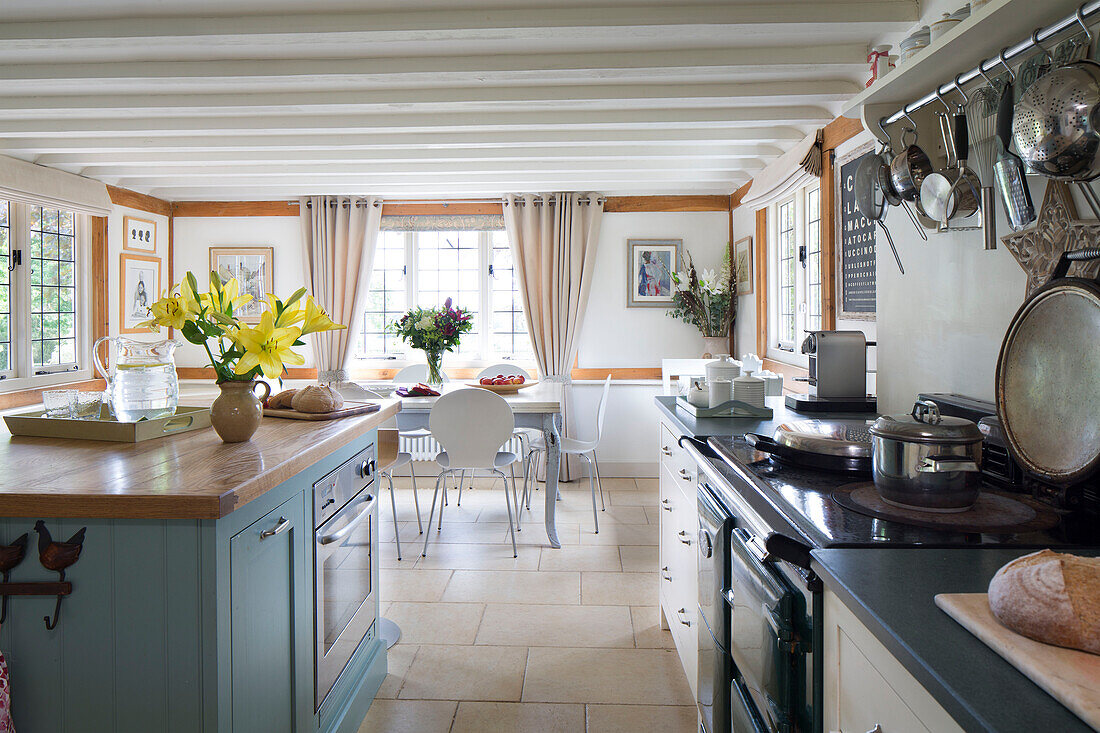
856, 253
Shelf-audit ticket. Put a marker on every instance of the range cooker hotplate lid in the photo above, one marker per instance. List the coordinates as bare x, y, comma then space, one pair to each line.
844, 438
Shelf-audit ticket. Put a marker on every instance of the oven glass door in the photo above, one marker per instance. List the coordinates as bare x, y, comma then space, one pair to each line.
345, 582
760, 631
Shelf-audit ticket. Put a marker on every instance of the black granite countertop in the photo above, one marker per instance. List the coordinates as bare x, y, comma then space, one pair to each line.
706, 426
891, 591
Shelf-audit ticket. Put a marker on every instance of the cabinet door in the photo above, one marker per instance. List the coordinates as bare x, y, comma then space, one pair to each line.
265, 561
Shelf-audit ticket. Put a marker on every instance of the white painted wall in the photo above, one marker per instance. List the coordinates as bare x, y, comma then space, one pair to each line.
194, 236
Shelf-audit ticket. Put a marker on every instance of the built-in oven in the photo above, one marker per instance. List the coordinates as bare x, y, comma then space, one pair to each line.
345, 520
715, 668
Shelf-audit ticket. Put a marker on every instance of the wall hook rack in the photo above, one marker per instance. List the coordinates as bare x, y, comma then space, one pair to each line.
53, 555
10, 556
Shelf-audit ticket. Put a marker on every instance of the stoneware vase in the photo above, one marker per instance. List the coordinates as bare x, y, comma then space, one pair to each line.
714, 345
237, 411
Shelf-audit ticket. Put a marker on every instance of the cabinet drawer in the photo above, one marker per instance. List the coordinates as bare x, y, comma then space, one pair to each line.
672, 456
865, 686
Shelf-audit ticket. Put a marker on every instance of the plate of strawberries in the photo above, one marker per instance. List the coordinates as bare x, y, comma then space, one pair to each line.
504, 383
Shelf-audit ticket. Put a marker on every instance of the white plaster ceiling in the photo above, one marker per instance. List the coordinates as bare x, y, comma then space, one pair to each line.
256, 99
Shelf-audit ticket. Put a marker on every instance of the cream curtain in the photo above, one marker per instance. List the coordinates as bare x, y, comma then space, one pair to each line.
339, 234
554, 240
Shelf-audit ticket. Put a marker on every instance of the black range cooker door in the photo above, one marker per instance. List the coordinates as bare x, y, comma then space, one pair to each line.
714, 663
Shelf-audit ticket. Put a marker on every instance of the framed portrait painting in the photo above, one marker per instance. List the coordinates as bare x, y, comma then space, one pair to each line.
742, 259
140, 235
254, 269
139, 287
649, 265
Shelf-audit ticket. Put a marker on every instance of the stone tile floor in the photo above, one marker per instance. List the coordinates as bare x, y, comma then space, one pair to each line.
563, 640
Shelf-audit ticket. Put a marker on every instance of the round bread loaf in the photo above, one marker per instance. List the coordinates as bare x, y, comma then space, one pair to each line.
282, 400
317, 398
1050, 597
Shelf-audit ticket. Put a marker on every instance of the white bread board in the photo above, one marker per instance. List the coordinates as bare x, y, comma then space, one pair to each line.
1071, 677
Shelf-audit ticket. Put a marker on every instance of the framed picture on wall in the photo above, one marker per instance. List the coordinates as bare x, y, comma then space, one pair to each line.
855, 243
139, 287
254, 269
742, 260
649, 266
140, 235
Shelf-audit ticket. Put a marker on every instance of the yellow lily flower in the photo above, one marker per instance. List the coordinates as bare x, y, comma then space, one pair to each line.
291, 314
266, 346
228, 297
316, 319
174, 309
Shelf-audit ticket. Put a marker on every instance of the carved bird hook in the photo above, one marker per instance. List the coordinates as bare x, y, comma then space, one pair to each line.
10, 556
57, 556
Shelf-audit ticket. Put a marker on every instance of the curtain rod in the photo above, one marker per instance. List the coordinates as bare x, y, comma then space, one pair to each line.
1008, 53
446, 203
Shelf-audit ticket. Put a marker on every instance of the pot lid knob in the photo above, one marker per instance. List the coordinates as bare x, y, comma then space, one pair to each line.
926, 411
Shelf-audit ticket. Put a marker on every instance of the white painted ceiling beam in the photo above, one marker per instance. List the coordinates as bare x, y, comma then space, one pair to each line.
311, 124
737, 15
15, 106
433, 192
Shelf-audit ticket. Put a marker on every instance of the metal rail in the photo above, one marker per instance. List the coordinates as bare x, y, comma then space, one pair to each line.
1084, 12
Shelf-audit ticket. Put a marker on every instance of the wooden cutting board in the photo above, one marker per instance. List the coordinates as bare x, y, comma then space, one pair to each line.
1070, 676
349, 409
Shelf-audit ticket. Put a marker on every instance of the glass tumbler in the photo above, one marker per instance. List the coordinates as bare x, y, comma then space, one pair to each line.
86, 405
58, 402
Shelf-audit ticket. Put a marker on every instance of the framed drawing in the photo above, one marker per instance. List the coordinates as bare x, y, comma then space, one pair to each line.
140, 234
254, 268
139, 286
855, 244
742, 260
649, 265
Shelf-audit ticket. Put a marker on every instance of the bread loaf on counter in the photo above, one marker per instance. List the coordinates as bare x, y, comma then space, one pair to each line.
317, 398
1050, 597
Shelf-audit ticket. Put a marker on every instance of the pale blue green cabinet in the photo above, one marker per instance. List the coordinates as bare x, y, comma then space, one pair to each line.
185, 625
264, 561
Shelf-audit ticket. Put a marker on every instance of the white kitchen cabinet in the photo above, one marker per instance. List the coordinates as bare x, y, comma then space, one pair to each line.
678, 530
866, 688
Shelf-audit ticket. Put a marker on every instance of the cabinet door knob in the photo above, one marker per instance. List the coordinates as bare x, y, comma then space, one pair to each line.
282, 526
666, 450
685, 474
665, 574
682, 615
684, 537
666, 505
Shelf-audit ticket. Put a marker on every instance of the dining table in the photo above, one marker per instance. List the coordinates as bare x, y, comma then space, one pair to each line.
535, 406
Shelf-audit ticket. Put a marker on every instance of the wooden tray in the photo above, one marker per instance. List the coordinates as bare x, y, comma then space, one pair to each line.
1071, 677
35, 424
504, 388
349, 409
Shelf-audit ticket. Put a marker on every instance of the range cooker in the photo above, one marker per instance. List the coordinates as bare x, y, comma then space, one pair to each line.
761, 604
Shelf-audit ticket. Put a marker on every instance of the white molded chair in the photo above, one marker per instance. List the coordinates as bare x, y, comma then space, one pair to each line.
412, 374
586, 449
386, 472
525, 435
471, 425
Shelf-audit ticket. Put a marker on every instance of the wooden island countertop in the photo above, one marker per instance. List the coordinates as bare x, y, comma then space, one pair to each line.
191, 475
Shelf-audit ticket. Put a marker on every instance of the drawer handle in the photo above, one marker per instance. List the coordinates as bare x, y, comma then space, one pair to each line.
666, 450
685, 474
684, 537
666, 505
665, 574
682, 615
282, 526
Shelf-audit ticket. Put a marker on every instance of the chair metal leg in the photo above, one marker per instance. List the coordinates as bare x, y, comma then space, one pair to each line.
444, 475
393, 506
508, 502
592, 487
435, 495
512, 468
596, 463
416, 499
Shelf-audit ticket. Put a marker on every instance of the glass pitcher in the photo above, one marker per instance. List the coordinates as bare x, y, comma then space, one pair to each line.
142, 381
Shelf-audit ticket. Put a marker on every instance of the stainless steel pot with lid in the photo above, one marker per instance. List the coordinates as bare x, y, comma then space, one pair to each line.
927, 461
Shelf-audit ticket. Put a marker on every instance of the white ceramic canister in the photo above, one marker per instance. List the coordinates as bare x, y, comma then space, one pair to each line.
749, 390
941, 26
698, 394
722, 368
721, 391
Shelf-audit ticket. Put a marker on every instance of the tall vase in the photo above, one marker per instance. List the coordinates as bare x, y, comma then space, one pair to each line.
715, 345
236, 413
435, 368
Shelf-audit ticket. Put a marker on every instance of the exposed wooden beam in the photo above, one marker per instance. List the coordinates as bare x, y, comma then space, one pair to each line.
735, 198
140, 201
233, 208
100, 282
625, 204
840, 130
761, 263
208, 373
828, 241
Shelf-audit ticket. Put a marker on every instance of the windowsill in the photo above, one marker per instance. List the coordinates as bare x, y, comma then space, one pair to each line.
42, 381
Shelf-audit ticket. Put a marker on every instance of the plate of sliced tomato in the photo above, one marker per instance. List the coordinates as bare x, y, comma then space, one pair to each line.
504, 383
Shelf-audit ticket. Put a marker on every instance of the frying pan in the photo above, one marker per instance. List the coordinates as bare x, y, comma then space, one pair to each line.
871, 198
1047, 385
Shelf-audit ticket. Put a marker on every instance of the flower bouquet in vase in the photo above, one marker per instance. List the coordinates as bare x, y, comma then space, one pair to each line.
708, 301
434, 330
241, 352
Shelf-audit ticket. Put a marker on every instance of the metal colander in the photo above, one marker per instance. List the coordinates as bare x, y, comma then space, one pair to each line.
1053, 126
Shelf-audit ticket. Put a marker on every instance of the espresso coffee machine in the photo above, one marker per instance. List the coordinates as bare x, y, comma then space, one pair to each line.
837, 373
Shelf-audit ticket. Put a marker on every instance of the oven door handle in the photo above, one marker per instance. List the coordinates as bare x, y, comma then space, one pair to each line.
360, 515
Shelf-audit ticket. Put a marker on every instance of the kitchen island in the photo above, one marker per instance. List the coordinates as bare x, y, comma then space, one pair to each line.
192, 605
891, 591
